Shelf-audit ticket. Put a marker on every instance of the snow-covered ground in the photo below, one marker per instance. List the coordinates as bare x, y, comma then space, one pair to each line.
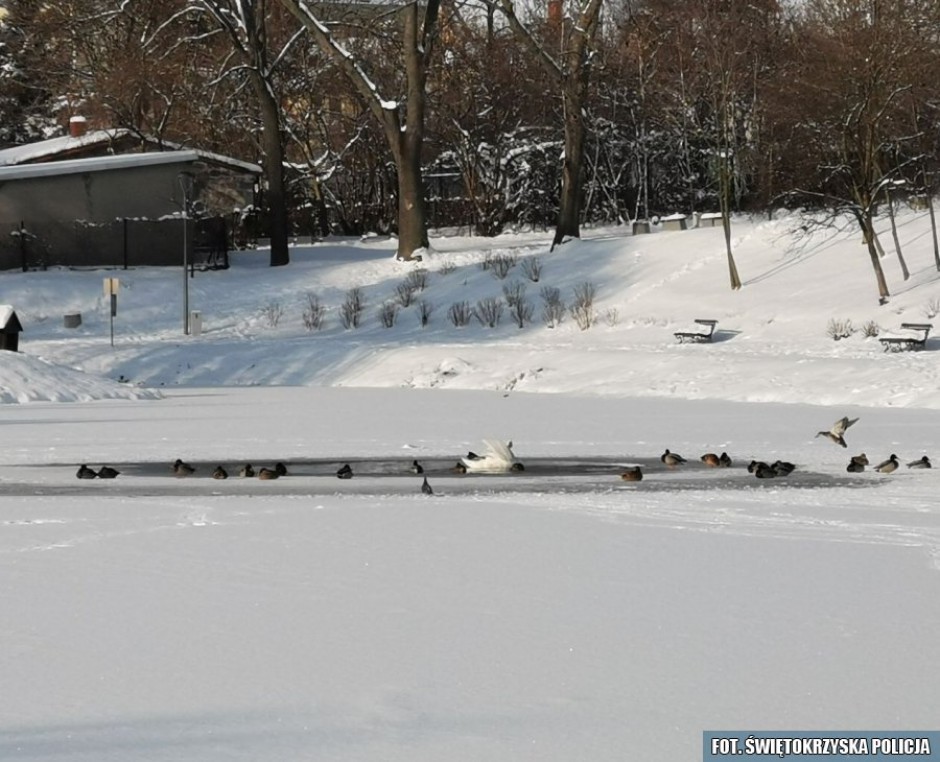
519, 617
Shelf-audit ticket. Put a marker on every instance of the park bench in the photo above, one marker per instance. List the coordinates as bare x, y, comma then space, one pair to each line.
698, 336
916, 339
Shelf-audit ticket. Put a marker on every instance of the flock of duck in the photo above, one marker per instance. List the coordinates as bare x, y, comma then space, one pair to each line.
498, 457
764, 470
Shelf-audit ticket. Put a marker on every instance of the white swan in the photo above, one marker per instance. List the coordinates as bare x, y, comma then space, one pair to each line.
498, 459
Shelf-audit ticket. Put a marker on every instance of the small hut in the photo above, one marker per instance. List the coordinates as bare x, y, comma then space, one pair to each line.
10, 328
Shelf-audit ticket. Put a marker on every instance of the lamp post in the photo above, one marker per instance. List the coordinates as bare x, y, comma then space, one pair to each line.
186, 181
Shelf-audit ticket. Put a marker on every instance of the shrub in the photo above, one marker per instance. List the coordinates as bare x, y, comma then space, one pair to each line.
417, 280
489, 311
500, 264
839, 329
460, 313
521, 312
350, 313
405, 293
388, 313
932, 308
447, 267
532, 269
313, 313
612, 317
871, 329
553, 306
582, 309
272, 312
514, 292
425, 309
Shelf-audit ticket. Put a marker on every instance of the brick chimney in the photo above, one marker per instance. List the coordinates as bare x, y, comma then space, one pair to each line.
78, 126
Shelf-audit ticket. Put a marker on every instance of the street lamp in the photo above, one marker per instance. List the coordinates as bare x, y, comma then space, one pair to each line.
186, 181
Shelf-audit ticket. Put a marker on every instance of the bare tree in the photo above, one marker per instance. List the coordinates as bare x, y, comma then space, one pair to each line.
403, 119
860, 61
570, 69
246, 24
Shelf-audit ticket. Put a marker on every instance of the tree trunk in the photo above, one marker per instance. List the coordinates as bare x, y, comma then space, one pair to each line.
412, 213
933, 230
724, 191
274, 173
894, 234
569, 208
868, 234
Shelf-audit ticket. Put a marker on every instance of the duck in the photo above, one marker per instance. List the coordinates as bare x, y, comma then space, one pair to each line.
711, 460
888, 466
857, 463
724, 460
837, 432
84, 472
345, 472
756, 464
919, 463
267, 473
416, 468
498, 459
459, 468
219, 473
782, 467
246, 470
182, 469
280, 468
426, 488
106, 472
672, 459
764, 471
634, 474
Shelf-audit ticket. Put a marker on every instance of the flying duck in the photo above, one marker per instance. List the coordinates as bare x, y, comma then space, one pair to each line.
280, 468
889, 465
219, 473
345, 472
837, 432
426, 488
106, 472
919, 463
182, 469
246, 470
711, 460
857, 463
672, 459
634, 474
84, 472
267, 473
498, 459
416, 468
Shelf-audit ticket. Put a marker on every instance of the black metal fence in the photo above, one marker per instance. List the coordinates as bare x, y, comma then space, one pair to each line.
118, 244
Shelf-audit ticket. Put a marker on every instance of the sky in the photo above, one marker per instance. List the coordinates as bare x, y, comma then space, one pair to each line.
557, 614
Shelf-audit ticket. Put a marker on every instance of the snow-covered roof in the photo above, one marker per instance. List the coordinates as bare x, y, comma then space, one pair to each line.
48, 149
121, 161
6, 312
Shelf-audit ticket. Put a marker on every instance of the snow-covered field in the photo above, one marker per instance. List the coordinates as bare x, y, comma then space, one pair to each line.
520, 617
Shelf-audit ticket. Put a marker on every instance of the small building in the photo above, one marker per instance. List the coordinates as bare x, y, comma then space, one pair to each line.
101, 199
10, 328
